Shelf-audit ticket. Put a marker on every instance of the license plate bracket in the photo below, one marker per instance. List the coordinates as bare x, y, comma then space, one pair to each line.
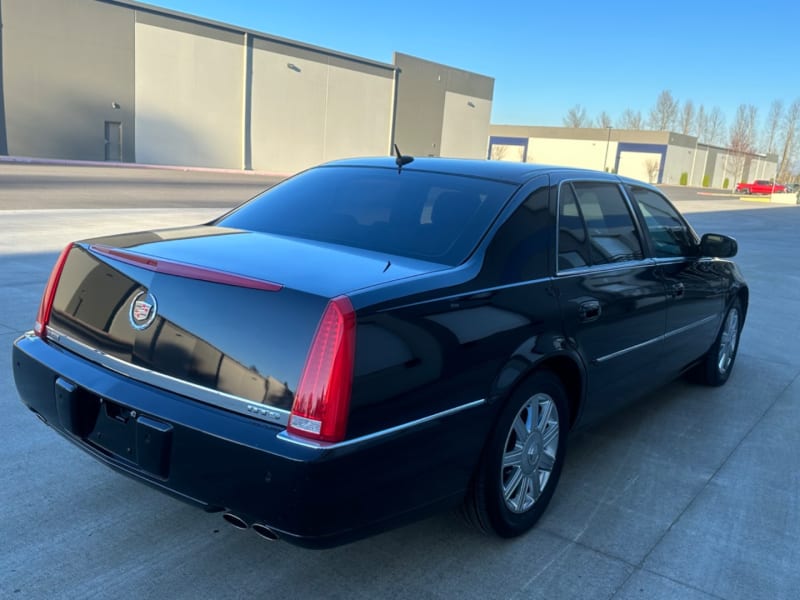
115, 430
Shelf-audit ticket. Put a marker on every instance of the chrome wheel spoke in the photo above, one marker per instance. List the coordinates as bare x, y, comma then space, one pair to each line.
545, 411
535, 487
513, 484
550, 435
513, 458
521, 428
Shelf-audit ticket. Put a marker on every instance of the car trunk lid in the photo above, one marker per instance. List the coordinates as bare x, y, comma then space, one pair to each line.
216, 314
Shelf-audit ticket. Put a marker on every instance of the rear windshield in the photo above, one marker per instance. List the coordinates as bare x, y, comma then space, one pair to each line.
428, 216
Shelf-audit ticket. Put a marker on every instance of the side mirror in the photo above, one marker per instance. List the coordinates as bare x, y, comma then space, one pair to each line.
718, 246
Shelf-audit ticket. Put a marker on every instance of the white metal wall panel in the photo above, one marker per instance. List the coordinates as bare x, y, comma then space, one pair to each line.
358, 114
67, 68
699, 168
288, 112
678, 161
189, 99
635, 165
722, 170
305, 112
465, 126
507, 152
585, 154
760, 168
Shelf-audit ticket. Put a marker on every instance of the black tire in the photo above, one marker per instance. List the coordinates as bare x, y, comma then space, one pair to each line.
718, 362
534, 455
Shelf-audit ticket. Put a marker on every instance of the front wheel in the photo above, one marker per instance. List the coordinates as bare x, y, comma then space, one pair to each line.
718, 363
522, 461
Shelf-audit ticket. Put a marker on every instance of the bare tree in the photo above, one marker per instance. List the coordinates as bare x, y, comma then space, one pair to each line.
630, 119
687, 118
603, 120
791, 125
701, 123
742, 138
715, 127
652, 165
499, 151
773, 125
576, 117
663, 114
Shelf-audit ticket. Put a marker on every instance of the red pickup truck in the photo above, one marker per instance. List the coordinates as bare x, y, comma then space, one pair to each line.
760, 186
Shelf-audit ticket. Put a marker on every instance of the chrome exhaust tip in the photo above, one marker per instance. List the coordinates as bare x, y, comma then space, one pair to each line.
265, 532
235, 521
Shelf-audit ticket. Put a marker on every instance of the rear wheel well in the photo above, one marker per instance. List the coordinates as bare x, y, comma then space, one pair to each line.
569, 373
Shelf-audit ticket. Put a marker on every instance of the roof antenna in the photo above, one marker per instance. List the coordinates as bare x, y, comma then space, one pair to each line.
401, 160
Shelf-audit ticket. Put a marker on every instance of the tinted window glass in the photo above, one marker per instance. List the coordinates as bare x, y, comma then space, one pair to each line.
519, 249
595, 226
670, 235
573, 251
429, 216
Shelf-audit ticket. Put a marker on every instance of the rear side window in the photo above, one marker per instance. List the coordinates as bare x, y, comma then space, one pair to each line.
428, 216
595, 226
670, 235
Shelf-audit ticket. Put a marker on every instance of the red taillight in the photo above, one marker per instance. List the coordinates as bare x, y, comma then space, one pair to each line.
46, 305
322, 400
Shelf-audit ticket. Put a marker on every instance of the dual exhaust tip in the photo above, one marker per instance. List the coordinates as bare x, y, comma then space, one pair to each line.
239, 523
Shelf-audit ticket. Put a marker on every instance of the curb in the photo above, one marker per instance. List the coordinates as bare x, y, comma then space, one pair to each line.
28, 160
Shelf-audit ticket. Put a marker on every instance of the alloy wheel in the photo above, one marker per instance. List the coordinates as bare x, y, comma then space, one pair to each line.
728, 341
530, 452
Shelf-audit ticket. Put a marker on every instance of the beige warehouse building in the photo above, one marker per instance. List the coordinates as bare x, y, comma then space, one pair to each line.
124, 81
654, 156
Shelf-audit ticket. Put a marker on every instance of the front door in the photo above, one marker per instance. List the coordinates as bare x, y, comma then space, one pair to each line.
695, 286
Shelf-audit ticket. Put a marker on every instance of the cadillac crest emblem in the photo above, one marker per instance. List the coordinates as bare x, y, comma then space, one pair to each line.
142, 310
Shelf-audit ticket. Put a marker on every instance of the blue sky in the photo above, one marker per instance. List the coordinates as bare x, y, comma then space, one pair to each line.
546, 57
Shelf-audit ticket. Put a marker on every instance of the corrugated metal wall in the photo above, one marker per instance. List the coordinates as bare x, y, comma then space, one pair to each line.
189, 94
97, 80
66, 66
119, 80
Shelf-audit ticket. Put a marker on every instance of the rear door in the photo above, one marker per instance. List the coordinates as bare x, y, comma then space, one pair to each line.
612, 302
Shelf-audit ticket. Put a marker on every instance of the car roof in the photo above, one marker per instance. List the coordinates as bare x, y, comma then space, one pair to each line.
511, 172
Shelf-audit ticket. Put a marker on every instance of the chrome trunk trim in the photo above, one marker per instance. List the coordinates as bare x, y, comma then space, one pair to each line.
200, 393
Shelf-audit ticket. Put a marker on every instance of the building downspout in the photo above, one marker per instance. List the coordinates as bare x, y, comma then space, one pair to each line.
3, 135
247, 103
393, 116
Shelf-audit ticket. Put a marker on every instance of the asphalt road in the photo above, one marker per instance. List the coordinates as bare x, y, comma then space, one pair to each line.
692, 493
34, 186
39, 187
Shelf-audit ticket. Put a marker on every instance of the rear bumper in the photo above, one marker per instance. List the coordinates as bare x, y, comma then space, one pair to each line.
220, 460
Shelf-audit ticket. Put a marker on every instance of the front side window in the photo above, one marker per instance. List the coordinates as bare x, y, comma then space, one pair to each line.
595, 226
670, 235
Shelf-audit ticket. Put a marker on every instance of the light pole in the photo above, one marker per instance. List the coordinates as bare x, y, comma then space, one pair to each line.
608, 143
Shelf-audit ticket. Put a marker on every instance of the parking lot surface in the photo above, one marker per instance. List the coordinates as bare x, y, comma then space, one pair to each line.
691, 493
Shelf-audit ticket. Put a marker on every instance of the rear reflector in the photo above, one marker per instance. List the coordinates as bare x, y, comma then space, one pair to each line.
322, 401
46, 305
169, 267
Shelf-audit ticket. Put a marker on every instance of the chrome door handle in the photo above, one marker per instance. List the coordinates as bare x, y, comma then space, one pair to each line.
678, 290
589, 311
